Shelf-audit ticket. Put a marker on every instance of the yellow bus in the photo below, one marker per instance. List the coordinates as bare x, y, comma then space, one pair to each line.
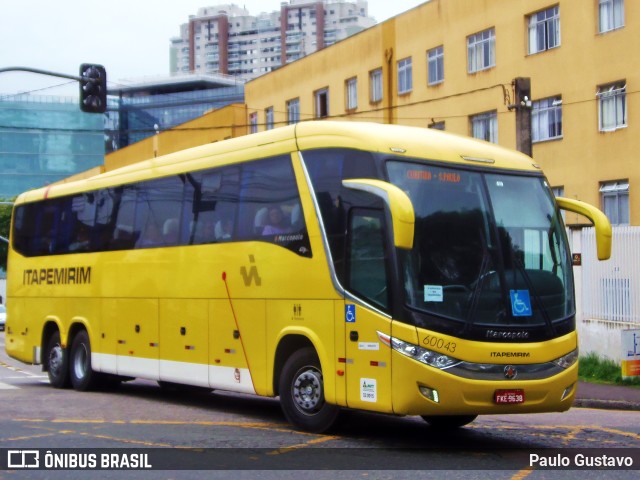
333, 264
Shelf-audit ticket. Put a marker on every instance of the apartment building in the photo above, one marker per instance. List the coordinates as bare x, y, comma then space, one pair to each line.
227, 39
451, 64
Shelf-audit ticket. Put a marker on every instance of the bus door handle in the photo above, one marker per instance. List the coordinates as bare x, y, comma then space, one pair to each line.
353, 336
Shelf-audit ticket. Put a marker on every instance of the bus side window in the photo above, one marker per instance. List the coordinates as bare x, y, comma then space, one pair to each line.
327, 168
160, 202
366, 264
270, 207
212, 202
120, 233
33, 229
77, 231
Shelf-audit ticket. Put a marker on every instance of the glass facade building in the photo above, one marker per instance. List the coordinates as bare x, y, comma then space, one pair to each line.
139, 111
44, 139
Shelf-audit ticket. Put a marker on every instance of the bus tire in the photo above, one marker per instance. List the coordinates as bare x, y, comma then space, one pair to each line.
57, 362
447, 422
302, 393
83, 378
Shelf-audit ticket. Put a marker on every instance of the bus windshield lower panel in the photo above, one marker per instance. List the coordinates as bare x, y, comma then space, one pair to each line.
490, 254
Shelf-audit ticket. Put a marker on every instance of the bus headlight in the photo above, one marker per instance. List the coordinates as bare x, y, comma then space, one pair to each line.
567, 360
428, 357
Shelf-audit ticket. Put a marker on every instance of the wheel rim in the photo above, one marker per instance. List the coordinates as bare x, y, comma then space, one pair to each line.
55, 360
80, 361
307, 390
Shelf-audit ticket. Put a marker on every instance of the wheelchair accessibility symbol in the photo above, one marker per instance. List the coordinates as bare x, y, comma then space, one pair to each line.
350, 313
520, 303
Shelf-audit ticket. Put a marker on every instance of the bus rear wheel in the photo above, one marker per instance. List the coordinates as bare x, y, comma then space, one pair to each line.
446, 422
57, 363
82, 376
302, 393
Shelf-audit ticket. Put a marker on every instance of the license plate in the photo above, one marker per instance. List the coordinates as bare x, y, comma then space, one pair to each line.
508, 397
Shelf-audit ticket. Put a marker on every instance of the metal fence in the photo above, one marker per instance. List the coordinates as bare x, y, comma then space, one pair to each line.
611, 288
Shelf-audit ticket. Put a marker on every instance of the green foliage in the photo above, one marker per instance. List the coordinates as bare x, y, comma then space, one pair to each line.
593, 368
5, 224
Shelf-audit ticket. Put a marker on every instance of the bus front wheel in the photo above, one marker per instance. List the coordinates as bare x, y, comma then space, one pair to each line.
302, 393
57, 363
82, 376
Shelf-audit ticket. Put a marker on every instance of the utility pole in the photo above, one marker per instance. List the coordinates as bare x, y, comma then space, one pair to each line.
522, 106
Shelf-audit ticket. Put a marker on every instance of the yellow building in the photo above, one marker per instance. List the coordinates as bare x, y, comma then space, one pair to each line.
222, 124
451, 63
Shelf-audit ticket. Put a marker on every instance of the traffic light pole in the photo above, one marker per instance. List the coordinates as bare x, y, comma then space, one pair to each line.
93, 84
42, 72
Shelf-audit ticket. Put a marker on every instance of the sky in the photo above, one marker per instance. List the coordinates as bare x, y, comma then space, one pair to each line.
131, 38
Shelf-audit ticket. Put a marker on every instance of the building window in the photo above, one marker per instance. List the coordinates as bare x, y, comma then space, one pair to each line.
544, 30
293, 111
375, 85
615, 201
481, 50
405, 76
268, 118
253, 123
435, 61
546, 119
322, 103
611, 15
612, 106
485, 126
351, 91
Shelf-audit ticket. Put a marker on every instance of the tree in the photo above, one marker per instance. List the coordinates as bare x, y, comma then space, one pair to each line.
5, 225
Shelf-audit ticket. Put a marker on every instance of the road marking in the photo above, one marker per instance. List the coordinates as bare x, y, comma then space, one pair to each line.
292, 448
28, 437
522, 474
20, 370
6, 386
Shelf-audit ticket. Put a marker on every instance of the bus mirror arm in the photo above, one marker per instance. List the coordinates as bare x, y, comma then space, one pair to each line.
599, 220
399, 204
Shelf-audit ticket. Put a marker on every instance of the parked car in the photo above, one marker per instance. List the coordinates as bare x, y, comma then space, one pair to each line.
3, 317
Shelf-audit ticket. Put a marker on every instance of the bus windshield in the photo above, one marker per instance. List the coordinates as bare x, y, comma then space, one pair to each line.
489, 249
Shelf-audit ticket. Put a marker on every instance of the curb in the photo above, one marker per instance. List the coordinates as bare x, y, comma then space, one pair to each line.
605, 404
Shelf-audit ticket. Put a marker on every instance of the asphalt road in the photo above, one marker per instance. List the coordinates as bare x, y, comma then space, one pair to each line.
223, 433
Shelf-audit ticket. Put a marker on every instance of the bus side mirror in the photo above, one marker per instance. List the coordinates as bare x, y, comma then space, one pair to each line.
599, 220
399, 204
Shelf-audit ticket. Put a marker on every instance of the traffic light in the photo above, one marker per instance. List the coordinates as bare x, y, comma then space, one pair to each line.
93, 88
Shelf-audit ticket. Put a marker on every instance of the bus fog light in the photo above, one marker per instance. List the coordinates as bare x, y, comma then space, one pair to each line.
430, 393
567, 391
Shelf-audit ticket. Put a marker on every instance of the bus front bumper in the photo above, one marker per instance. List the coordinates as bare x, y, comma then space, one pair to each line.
419, 389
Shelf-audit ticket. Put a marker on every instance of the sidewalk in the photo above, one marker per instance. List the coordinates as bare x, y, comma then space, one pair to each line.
615, 397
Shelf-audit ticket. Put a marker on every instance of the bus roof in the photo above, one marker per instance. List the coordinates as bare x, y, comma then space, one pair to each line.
397, 140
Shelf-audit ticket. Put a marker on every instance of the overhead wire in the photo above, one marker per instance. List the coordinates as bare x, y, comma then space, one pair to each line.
303, 116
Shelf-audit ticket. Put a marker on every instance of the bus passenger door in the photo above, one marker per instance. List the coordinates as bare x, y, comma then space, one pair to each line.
368, 362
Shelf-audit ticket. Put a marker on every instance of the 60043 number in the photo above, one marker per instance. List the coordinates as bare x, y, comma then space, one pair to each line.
440, 343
